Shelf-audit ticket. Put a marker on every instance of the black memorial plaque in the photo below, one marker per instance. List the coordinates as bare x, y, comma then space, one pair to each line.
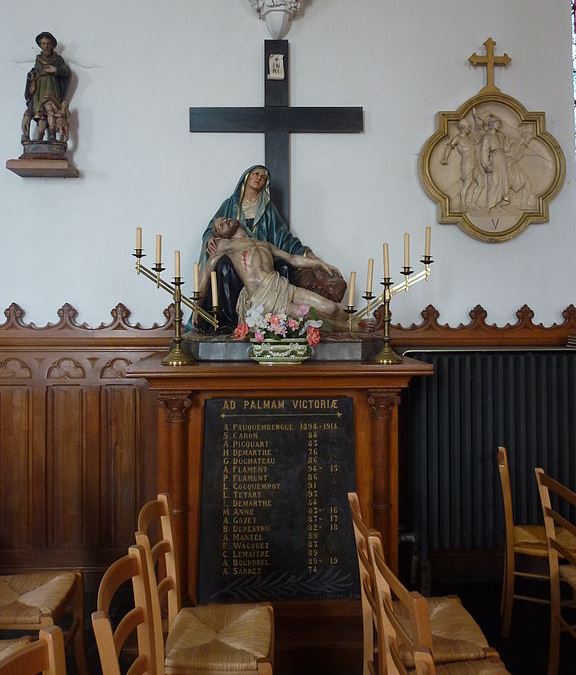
275, 522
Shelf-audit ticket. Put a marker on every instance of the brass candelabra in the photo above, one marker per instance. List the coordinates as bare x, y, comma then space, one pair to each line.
387, 356
176, 356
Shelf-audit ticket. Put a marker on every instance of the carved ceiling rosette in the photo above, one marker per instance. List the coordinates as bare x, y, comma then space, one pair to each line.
277, 14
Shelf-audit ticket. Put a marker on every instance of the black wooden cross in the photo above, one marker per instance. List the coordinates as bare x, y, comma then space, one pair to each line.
277, 120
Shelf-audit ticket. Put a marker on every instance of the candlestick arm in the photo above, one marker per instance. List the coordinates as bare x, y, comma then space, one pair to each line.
169, 288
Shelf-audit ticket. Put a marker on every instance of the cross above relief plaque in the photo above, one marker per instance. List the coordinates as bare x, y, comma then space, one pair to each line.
277, 120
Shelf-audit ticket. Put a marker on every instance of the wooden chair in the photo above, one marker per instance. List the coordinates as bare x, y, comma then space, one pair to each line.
404, 629
555, 522
44, 655
35, 600
9, 647
361, 533
206, 639
521, 540
453, 635
137, 620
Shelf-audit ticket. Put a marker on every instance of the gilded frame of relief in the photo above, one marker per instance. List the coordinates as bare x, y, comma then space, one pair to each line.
491, 166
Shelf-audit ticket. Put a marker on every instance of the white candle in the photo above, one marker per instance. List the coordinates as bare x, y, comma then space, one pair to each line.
196, 276
427, 241
406, 249
176, 263
369, 276
158, 249
351, 285
386, 262
214, 284
139, 238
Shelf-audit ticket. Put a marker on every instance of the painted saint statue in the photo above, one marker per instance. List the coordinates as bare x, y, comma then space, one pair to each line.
46, 86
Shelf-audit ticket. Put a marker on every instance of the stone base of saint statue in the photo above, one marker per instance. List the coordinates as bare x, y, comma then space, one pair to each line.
43, 149
333, 347
43, 158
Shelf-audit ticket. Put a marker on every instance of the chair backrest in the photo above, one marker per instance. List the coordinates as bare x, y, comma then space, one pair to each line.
361, 533
45, 655
424, 662
504, 471
155, 531
110, 641
401, 617
552, 521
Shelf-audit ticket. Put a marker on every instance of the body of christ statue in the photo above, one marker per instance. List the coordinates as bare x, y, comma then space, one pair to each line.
253, 262
251, 204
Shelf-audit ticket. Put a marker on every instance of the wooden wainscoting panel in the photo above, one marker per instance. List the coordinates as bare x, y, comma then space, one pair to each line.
121, 462
65, 465
15, 466
77, 439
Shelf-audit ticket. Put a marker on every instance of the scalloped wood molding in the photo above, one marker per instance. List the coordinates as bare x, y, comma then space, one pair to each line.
479, 333
15, 332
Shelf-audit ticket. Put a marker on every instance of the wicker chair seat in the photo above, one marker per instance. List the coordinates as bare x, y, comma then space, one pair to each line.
482, 667
219, 638
27, 598
9, 647
455, 634
568, 574
532, 540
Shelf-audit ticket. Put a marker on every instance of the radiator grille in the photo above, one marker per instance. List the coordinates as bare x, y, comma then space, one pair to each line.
474, 402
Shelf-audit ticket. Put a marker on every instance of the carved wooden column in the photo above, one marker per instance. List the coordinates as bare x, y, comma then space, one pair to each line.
384, 409
172, 462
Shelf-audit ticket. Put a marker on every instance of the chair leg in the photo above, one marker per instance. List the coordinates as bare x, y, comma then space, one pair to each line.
554, 648
79, 647
503, 592
507, 597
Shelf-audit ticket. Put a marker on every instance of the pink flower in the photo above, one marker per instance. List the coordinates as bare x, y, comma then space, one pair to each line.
302, 310
293, 324
312, 336
241, 331
258, 336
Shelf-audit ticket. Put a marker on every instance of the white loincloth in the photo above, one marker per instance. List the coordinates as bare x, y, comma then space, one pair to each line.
274, 294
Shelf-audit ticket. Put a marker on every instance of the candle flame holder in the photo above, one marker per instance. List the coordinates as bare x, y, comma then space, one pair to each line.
350, 310
176, 356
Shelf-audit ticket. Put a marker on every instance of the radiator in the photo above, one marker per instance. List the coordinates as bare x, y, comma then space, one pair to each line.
524, 400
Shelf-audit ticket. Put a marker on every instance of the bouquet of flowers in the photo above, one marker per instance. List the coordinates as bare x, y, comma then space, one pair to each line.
259, 326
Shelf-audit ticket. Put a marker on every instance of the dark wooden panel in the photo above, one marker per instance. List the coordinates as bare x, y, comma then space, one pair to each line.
120, 466
15, 455
65, 465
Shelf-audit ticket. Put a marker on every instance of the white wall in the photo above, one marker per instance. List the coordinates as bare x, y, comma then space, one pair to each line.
139, 64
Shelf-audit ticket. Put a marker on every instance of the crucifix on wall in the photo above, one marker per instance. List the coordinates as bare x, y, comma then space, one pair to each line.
277, 120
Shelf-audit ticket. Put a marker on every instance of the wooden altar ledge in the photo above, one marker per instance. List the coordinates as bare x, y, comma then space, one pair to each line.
182, 392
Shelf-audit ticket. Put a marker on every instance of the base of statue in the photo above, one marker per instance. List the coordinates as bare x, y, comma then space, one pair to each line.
43, 149
335, 347
48, 167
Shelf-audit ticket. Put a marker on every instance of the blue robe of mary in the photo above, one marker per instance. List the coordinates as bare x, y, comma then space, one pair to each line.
267, 225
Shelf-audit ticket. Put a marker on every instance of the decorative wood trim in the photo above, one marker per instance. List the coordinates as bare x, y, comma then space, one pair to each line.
16, 332
479, 333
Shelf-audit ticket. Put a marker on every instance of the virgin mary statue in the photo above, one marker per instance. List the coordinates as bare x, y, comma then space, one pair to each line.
250, 203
